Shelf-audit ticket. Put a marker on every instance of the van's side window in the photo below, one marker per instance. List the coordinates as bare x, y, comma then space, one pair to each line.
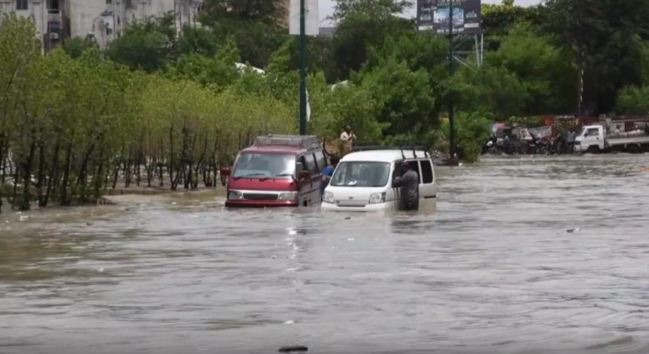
310, 163
320, 159
415, 166
426, 172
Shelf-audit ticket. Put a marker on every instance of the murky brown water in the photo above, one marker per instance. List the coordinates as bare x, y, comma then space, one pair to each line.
493, 271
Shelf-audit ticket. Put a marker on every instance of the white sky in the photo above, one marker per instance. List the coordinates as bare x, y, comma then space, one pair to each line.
327, 6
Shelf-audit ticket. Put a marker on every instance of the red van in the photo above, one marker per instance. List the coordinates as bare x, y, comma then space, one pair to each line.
278, 170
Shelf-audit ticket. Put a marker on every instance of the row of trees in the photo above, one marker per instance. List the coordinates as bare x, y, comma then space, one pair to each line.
70, 128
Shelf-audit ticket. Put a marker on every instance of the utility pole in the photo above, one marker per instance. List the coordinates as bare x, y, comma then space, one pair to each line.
302, 45
451, 106
580, 59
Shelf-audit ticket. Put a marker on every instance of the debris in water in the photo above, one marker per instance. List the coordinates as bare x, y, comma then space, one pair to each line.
289, 322
573, 231
350, 239
620, 341
348, 218
174, 203
293, 348
24, 218
88, 224
100, 270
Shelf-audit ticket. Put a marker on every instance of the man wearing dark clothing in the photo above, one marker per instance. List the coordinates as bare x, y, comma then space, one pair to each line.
409, 189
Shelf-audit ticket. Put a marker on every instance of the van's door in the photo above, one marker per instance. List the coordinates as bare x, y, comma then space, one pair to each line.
310, 190
427, 187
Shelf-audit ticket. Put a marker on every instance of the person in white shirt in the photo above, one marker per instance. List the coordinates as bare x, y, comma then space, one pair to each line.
348, 135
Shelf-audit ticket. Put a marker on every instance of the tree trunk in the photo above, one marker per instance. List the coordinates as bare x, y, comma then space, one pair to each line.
83, 171
27, 177
53, 176
170, 166
117, 168
41, 173
64, 200
99, 172
2, 167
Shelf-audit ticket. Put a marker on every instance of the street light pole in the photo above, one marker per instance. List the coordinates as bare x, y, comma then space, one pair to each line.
302, 45
451, 107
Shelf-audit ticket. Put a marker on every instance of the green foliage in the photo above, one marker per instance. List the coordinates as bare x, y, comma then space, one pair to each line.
146, 45
255, 25
404, 97
359, 30
75, 47
613, 37
473, 130
633, 101
197, 40
545, 73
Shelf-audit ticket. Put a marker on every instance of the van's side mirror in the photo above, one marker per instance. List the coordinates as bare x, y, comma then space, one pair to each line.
226, 171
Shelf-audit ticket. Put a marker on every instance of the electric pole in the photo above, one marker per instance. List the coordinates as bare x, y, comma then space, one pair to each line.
302, 46
451, 106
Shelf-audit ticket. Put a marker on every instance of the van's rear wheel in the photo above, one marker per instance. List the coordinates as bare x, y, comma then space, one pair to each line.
593, 150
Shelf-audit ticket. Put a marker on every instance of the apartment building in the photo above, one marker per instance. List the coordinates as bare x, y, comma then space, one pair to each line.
100, 20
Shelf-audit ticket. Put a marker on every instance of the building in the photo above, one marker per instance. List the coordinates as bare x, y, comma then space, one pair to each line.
100, 20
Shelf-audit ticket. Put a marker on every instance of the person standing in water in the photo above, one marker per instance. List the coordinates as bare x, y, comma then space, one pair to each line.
409, 188
328, 172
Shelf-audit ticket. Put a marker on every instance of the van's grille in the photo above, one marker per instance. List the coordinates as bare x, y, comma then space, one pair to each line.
259, 196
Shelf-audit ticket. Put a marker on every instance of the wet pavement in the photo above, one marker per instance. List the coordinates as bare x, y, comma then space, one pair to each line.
521, 256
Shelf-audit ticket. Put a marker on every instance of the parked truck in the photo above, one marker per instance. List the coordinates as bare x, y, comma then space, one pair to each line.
627, 136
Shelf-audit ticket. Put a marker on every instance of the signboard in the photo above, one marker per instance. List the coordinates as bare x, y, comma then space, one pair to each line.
311, 14
434, 15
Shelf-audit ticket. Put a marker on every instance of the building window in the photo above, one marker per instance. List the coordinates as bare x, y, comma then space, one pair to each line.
22, 5
53, 5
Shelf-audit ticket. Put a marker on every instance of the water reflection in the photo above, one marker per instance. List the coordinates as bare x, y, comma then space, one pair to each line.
489, 268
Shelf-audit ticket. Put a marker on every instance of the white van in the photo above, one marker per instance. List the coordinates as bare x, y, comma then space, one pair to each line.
363, 180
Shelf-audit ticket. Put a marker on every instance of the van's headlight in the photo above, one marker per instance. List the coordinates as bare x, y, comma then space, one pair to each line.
377, 198
328, 197
287, 196
234, 195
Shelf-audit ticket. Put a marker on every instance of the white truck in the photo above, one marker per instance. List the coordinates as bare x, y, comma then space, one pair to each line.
613, 137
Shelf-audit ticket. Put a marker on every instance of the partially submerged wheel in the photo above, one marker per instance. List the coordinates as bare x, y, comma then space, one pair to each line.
593, 150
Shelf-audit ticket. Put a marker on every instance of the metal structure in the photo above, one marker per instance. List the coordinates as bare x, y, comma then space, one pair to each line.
305, 141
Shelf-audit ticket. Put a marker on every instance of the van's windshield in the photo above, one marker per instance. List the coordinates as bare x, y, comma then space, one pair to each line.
259, 165
361, 174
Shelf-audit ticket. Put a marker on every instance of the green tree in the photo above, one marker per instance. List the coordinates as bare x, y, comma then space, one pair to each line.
633, 101
362, 25
146, 45
404, 96
75, 47
256, 26
612, 35
544, 71
197, 40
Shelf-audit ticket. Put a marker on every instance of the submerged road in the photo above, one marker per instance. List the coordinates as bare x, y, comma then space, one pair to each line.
521, 256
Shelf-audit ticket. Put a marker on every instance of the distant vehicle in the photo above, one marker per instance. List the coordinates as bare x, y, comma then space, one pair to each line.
278, 170
613, 137
363, 180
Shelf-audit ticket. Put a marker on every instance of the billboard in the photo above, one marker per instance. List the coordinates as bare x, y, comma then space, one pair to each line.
435, 15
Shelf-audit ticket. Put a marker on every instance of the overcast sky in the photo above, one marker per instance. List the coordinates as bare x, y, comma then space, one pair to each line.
326, 6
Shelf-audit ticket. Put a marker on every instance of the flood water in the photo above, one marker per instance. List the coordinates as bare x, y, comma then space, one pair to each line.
493, 270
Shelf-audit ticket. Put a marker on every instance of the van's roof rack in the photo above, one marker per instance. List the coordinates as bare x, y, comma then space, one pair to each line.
305, 141
402, 148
